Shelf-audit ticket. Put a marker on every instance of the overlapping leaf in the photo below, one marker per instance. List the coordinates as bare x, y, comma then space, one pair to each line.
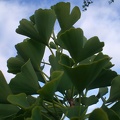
116, 107
115, 90
74, 111
19, 100
26, 81
111, 114
32, 50
54, 61
7, 110
98, 114
48, 90
27, 28
103, 79
83, 75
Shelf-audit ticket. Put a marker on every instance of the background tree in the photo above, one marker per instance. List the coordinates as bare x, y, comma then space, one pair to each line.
86, 3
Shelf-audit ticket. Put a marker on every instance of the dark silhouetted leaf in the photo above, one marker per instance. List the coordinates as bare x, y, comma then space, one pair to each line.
111, 114
116, 108
98, 114
115, 90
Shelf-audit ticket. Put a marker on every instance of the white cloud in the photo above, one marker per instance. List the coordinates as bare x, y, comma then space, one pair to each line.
11, 14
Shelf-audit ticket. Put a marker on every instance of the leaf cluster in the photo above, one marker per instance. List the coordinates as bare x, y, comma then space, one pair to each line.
77, 66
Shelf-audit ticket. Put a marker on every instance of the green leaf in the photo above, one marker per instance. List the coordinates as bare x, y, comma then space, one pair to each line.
87, 101
36, 113
115, 90
44, 20
112, 115
66, 20
48, 90
27, 28
74, 111
102, 92
116, 107
4, 89
26, 81
19, 100
104, 79
32, 50
98, 114
14, 64
72, 40
54, 61
52, 45
83, 75
7, 110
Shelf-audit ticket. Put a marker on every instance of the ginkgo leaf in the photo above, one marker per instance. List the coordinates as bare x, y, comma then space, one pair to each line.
19, 100
66, 20
48, 90
44, 20
26, 81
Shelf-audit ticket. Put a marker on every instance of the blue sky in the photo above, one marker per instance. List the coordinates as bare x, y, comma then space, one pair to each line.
101, 19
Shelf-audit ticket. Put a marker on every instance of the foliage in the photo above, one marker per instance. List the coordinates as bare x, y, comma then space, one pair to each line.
63, 92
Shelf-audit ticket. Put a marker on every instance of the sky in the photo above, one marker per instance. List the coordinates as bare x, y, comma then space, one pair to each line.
101, 19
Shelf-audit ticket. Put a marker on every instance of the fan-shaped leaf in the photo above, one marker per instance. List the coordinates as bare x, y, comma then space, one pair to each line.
32, 50
26, 81
19, 100
27, 28
73, 39
66, 20
82, 75
44, 20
